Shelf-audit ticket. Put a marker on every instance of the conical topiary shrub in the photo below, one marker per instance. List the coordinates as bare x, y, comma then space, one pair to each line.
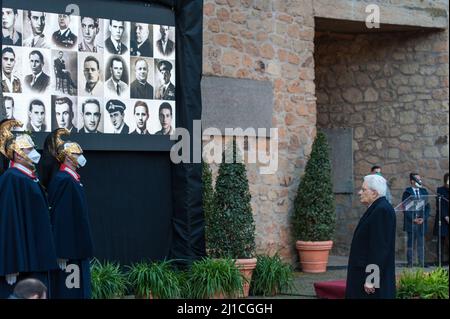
314, 210
235, 233
232, 228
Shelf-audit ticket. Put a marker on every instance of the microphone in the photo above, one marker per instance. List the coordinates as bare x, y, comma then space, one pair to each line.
418, 181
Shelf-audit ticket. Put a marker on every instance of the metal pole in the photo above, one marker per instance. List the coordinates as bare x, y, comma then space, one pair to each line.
439, 230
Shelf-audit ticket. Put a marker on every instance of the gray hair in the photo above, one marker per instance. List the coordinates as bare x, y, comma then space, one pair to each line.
376, 183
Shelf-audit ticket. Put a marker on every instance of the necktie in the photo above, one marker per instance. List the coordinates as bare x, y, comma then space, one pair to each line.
33, 43
118, 89
34, 80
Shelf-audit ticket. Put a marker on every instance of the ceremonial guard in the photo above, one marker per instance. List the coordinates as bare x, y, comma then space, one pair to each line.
26, 245
70, 220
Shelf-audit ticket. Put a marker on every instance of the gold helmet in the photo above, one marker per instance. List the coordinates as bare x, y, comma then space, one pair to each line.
10, 144
65, 149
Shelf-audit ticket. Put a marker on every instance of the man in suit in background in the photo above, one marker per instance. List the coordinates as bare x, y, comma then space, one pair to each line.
37, 81
164, 44
37, 25
63, 74
91, 116
141, 117
9, 107
90, 29
373, 246
63, 113
114, 43
441, 229
415, 221
141, 44
36, 117
114, 84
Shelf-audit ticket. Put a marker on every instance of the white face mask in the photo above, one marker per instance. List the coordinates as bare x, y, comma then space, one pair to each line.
34, 156
417, 185
81, 160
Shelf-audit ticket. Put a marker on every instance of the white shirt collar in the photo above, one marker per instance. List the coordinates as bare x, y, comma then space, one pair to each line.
8, 81
35, 128
63, 31
140, 131
37, 76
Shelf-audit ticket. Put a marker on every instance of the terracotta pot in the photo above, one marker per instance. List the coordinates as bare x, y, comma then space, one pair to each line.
246, 266
218, 295
314, 255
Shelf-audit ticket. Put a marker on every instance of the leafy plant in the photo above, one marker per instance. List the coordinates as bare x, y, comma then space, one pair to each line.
107, 279
210, 278
156, 279
185, 284
271, 276
232, 232
314, 212
423, 285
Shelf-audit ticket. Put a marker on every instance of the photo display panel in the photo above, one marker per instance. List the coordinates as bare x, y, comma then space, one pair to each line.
105, 70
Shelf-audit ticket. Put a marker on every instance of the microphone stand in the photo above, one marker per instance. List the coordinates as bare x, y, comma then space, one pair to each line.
439, 205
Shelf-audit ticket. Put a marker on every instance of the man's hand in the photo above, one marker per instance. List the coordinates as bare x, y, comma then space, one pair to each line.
11, 278
369, 288
446, 219
62, 263
418, 221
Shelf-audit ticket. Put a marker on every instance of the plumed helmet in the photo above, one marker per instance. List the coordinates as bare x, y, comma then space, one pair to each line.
65, 149
10, 144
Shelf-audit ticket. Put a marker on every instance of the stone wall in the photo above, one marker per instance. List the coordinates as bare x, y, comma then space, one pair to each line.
274, 41
393, 90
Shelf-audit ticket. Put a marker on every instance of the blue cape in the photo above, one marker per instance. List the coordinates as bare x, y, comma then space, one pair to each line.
26, 243
69, 217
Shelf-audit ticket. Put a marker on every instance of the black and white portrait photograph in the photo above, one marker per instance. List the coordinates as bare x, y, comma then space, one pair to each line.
91, 33
115, 117
10, 105
117, 77
165, 116
142, 78
141, 43
64, 111
33, 111
164, 42
90, 116
12, 75
139, 112
38, 70
65, 72
12, 27
164, 80
64, 28
117, 36
90, 74
36, 29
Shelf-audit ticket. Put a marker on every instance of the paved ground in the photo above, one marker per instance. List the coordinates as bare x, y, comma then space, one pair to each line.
337, 269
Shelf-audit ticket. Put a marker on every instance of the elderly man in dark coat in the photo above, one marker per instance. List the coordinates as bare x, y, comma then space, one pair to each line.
371, 265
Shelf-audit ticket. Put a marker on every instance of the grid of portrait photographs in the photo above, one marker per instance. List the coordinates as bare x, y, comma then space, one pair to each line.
88, 74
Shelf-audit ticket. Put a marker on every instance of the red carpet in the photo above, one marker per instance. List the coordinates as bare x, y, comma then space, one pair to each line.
334, 289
